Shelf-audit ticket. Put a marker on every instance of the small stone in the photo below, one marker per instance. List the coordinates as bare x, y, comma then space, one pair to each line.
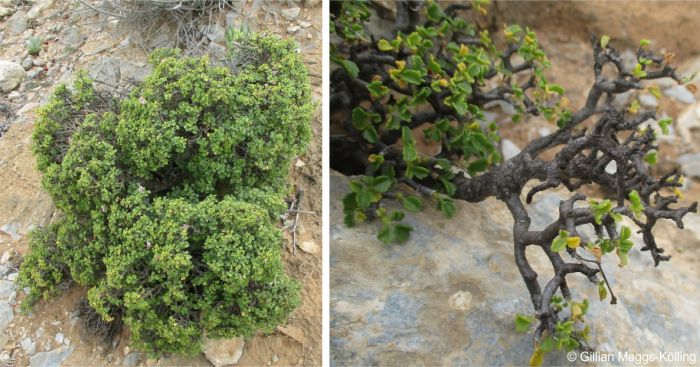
52, 358
544, 131
230, 19
28, 346
222, 352
11, 75
39, 62
311, 3
690, 164
275, 358
299, 163
293, 29
26, 290
72, 37
4, 11
132, 359
293, 332
304, 24
14, 95
460, 300
291, 13
216, 33
12, 299
680, 93
309, 36
12, 277
509, 149
6, 315
17, 23
310, 247
6, 288
648, 100
611, 168
7, 255
126, 350
27, 63
29, 107
59, 338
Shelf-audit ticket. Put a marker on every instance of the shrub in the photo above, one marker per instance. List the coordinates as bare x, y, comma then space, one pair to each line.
34, 45
170, 197
431, 80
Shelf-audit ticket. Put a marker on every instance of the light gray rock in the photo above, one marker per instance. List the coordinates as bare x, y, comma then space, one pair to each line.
52, 358
106, 72
6, 315
293, 29
72, 37
6, 288
136, 72
13, 277
5, 11
311, 3
680, 93
648, 100
690, 164
222, 352
216, 33
132, 359
59, 338
291, 13
11, 75
28, 346
509, 149
449, 295
17, 23
38, 8
27, 63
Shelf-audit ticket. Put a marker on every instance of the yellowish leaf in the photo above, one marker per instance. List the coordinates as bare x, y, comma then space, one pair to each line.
573, 242
537, 358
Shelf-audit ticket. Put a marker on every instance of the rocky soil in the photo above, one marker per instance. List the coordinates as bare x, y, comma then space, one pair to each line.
449, 295
74, 37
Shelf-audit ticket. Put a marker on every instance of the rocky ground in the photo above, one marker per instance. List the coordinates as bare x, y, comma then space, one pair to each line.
73, 37
449, 295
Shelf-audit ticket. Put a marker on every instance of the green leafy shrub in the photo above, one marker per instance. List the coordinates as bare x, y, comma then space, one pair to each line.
34, 45
170, 197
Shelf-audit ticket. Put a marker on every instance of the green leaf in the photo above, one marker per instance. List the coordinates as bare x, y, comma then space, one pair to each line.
636, 207
522, 323
600, 209
370, 134
547, 344
402, 232
559, 242
446, 206
604, 41
664, 123
364, 199
602, 290
650, 157
361, 119
638, 72
409, 151
349, 67
384, 45
377, 89
349, 203
477, 166
382, 183
434, 12
420, 172
625, 232
411, 76
412, 203
556, 89
644, 42
450, 188
623, 258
